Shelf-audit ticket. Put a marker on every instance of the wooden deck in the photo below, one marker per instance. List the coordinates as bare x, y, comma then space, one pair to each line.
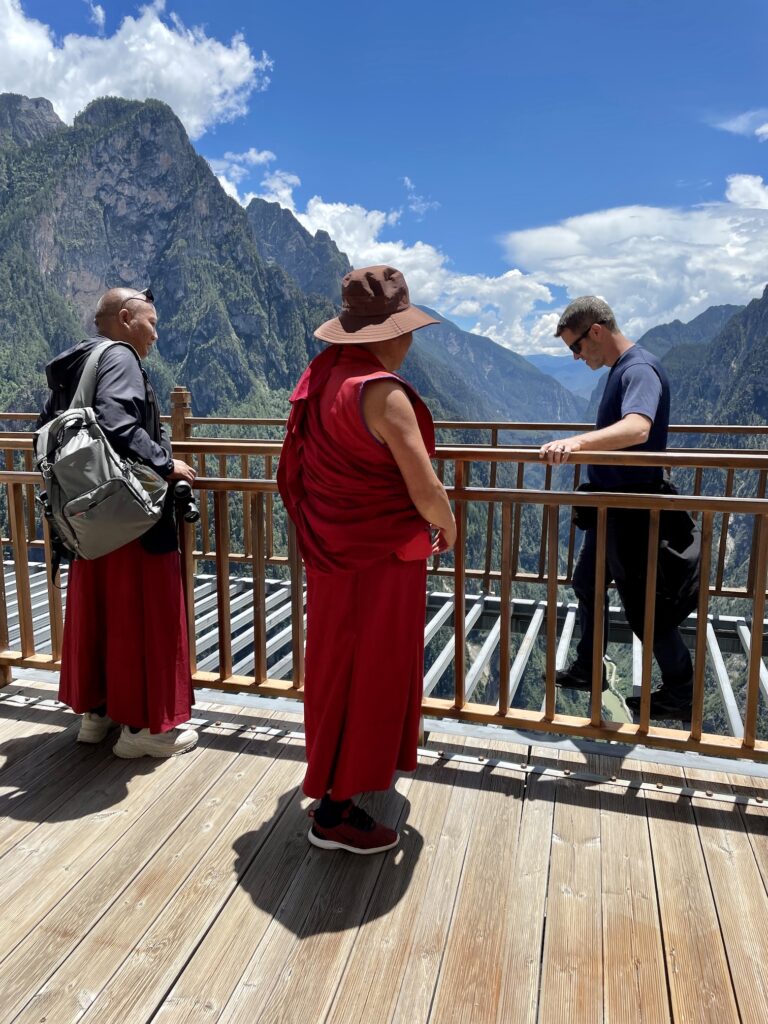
138, 891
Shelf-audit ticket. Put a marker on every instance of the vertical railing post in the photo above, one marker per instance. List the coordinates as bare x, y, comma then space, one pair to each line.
597, 634
181, 414
756, 640
700, 659
55, 615
489, 527
297, 607
257, 522
650, 613
505, 606
459, 601
187, 545
221, 529
6, 672
21, 568
551, 514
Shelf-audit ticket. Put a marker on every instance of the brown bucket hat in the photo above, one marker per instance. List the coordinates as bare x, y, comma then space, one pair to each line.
375, 306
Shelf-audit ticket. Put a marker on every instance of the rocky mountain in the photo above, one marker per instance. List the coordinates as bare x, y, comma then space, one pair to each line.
24, 121
313, 261
699, 331
122, 198
727, 381
496, 383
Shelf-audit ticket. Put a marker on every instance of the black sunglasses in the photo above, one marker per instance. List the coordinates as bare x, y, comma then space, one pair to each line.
143, 296
575, 346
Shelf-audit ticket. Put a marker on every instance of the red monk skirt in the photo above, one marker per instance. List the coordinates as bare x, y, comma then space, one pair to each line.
125, 639
364, 676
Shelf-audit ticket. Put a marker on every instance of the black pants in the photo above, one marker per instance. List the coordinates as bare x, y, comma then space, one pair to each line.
670, 652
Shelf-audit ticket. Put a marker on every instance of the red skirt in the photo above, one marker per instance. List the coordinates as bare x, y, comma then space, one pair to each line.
364, 673
125, 639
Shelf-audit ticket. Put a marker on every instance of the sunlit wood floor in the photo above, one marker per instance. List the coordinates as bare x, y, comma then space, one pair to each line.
136, 891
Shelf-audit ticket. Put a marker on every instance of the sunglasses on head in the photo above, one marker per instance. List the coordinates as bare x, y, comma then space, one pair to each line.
575, 346
142, 296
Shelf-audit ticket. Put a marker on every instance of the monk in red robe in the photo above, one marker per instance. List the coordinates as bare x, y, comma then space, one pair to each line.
357, 481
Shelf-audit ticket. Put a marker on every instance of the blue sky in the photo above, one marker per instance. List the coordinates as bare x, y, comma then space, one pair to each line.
507, 156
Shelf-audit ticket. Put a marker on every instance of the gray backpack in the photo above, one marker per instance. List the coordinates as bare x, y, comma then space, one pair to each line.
94, 500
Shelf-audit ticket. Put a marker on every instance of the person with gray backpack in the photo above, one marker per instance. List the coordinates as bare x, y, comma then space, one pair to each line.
124, 651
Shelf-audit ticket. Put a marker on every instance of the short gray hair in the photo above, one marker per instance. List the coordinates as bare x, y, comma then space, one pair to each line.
583, 312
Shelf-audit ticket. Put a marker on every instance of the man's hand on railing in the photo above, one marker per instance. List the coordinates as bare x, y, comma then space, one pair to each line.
555, 452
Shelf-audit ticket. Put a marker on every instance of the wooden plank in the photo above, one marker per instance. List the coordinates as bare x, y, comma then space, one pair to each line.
86, 826
416, 985
310, 939
697, 969
572, 970
47, 775
475, 956
527, 905
213, 972
75, 949
739, 894
408, 889
153, 964
635, 985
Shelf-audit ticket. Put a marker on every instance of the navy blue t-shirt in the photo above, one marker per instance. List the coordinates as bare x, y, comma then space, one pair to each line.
637, 382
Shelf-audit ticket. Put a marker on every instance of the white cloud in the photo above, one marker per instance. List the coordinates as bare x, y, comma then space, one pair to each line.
278, 186
204, 80
416, 203
233, 168
656, 264
494, 306
98, 15
751, 122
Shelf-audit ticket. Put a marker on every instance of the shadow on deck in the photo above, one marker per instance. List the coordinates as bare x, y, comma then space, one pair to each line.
139, 891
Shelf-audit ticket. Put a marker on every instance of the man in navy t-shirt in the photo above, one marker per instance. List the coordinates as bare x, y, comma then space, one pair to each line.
634, 416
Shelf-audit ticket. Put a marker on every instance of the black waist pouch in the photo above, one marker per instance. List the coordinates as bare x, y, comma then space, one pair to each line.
584, 517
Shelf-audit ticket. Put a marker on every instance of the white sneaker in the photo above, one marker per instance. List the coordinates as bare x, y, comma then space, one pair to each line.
93, 727
154, 744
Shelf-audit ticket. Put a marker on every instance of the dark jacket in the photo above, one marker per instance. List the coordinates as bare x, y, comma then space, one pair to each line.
126, 410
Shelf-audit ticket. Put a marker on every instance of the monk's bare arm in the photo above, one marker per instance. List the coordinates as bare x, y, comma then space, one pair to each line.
389, 416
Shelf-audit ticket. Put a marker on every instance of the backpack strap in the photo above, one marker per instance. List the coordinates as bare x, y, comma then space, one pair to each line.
86, 387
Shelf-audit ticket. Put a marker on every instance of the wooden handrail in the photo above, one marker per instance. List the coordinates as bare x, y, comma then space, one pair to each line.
276, 659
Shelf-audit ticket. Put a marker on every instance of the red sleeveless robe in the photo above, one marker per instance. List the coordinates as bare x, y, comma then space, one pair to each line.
365, 606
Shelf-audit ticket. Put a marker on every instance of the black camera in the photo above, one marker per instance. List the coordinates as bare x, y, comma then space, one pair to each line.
185, 503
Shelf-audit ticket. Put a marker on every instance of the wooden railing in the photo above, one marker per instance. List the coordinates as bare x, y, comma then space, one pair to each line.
528, 545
